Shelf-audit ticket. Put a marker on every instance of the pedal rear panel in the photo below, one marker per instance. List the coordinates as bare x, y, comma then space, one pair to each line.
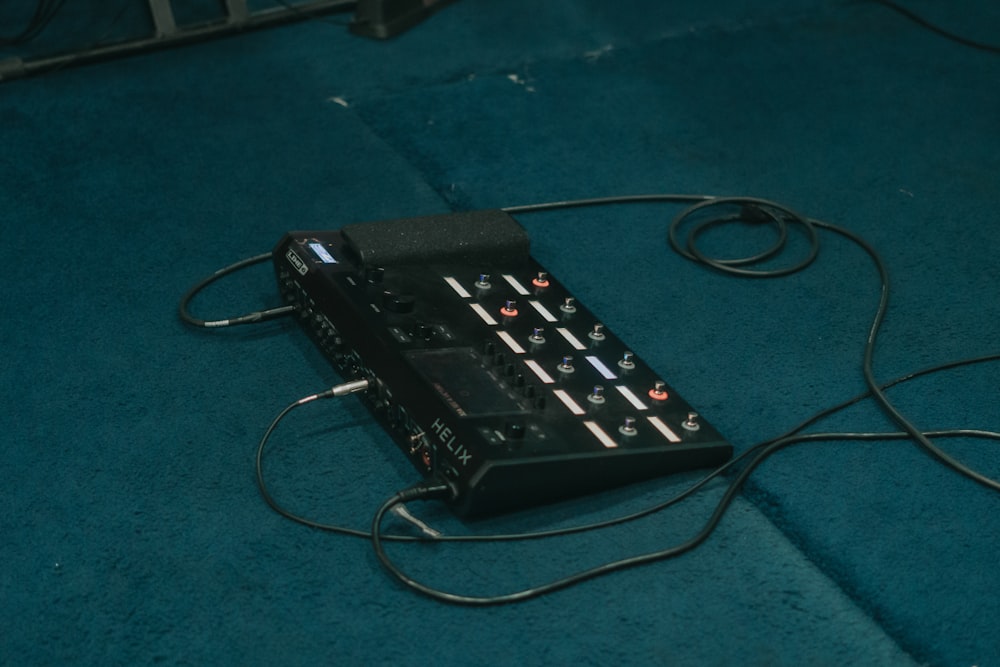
492, 374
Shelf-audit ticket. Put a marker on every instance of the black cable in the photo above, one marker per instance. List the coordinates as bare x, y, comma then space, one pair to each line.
990, 48
754, 210
354, 532
760, 452
579, 528
765, 212
822, 414
249, 318
771, 212
663, 554
45, 11
751, 211
701, 201
259, 466
873, 385
603, 201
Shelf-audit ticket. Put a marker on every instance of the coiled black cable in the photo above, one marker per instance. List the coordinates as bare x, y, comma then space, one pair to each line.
720, 211
183, 309
754, 211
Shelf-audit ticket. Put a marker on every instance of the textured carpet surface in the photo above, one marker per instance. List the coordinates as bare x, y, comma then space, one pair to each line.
132, 529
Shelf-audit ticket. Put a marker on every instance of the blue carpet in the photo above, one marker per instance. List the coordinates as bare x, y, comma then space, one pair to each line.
133, 531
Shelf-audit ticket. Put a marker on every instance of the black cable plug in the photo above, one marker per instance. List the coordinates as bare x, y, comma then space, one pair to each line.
433, 488
346, 388
335, 391
249, 318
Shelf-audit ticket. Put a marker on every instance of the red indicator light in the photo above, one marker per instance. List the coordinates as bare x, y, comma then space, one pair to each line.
658, 392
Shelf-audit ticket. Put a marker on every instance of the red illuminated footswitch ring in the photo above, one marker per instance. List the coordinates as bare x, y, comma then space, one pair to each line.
658, 394
509, 309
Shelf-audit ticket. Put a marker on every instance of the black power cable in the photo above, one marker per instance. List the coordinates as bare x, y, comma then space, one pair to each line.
965, 41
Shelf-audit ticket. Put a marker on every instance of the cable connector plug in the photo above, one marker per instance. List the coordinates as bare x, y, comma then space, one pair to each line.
349, 387
337, 390
434, 488
249, 318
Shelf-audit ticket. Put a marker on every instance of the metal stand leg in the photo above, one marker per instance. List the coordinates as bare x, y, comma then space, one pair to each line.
237, 10
163, 18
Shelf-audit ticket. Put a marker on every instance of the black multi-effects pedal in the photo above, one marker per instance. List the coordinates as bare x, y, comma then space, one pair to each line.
482, 367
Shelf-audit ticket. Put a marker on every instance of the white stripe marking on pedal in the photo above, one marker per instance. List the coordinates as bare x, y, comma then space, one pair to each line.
539, 371
632, 398
571, 339
511, 343
664, 429
601, 368
568, 401
457, 286
518, 287
601, 435
483, 313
